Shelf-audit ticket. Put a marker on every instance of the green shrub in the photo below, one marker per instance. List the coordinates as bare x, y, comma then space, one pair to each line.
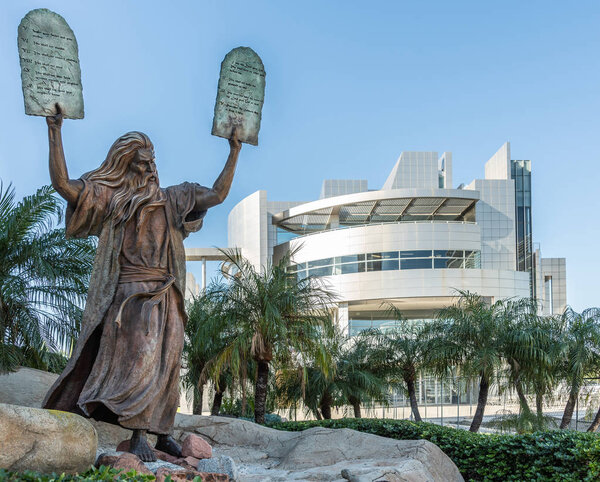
539, 456
102, 473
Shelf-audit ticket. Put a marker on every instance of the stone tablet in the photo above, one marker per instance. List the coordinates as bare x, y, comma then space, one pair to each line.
50, 70
240, 96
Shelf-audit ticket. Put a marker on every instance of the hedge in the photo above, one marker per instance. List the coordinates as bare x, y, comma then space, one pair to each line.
540, 456
101, 473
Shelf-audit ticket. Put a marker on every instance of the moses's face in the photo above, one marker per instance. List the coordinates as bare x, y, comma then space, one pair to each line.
143, 166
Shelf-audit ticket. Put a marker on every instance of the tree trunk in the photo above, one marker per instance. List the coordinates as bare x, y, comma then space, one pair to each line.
355, 402
539, 404
522, 399
412, 395
220, 388
260, 391
484, 387
318, 414
325, 405
569, 407
216, 405
197, 403
595, 423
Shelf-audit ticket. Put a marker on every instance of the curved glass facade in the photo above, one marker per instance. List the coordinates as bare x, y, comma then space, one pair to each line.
389, 261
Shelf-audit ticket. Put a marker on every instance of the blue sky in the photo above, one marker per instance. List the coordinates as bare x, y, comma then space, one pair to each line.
349, 86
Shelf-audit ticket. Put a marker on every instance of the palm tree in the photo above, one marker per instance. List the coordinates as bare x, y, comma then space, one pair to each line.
205, 333
408, 348
467, 335
43, 281
529, 347
358, 375
581, 344
275, 315
362, 372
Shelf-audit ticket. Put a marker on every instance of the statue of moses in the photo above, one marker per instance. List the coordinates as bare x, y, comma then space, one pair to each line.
125, 365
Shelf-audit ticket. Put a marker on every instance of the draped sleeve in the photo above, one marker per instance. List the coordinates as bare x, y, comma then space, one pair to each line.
86, 215
182, 198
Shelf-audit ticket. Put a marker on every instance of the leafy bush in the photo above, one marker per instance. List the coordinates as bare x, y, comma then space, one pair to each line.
102, 473
551, 455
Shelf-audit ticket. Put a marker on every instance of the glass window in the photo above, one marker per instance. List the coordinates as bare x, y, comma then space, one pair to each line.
353, 268
353, 258
359, 325
472, 259
416, 254
385, 255
440, 263
320, 262
383, 265
416, 263
324, 271
455, 263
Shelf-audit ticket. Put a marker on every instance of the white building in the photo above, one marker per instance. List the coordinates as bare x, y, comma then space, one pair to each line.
413, 243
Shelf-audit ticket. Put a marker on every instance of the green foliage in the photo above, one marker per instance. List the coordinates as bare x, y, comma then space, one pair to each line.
43, 281
273, 317
357, 375
552, 455
101, 473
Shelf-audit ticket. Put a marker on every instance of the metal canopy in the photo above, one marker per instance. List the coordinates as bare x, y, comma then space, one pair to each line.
407, 209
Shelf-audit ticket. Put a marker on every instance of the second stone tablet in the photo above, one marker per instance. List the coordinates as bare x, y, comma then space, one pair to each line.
240, 96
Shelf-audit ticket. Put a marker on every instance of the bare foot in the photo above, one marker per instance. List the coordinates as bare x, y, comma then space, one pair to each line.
139, 446
167, 444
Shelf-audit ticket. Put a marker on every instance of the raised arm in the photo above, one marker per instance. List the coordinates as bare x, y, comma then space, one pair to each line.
69, 189
221, 187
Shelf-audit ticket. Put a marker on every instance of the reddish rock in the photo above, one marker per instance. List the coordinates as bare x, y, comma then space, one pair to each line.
129, 462
123, 446
106, 459
195, 446
181, 475
191, 461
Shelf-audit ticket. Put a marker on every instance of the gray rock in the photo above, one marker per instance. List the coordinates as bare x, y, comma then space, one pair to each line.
26, 387
154, 466
45, 440
220, 465
50, 71
319, 453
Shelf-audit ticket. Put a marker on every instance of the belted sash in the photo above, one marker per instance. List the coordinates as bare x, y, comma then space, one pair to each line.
132, 274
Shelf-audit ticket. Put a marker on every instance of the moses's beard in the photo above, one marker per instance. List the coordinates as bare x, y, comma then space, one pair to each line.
136, 194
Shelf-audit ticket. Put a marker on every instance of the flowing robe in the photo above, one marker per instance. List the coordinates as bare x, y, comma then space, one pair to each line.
125, 365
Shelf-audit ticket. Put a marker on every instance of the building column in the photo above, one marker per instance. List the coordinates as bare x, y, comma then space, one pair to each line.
203, 275
342, 318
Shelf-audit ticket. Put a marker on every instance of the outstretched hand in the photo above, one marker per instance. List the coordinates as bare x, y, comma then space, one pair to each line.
234, 142
55, 120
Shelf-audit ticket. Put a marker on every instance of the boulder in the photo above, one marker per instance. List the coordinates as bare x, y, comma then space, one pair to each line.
221, 464
26, 387
195, 446
128, 462
45, 440
318, 453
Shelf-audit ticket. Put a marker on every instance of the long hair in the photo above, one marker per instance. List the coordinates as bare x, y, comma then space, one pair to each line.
131, 192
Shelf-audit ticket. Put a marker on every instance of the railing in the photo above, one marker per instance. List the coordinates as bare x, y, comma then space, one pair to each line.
369, 224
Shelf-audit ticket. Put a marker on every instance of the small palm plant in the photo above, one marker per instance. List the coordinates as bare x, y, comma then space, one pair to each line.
467, 335
407, 349
274, 315
581, 353
43, 281
358, 375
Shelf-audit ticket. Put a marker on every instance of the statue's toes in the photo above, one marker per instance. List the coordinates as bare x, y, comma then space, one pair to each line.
147, 456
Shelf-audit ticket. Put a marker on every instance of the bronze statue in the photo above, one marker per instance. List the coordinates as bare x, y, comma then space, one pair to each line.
125, 366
